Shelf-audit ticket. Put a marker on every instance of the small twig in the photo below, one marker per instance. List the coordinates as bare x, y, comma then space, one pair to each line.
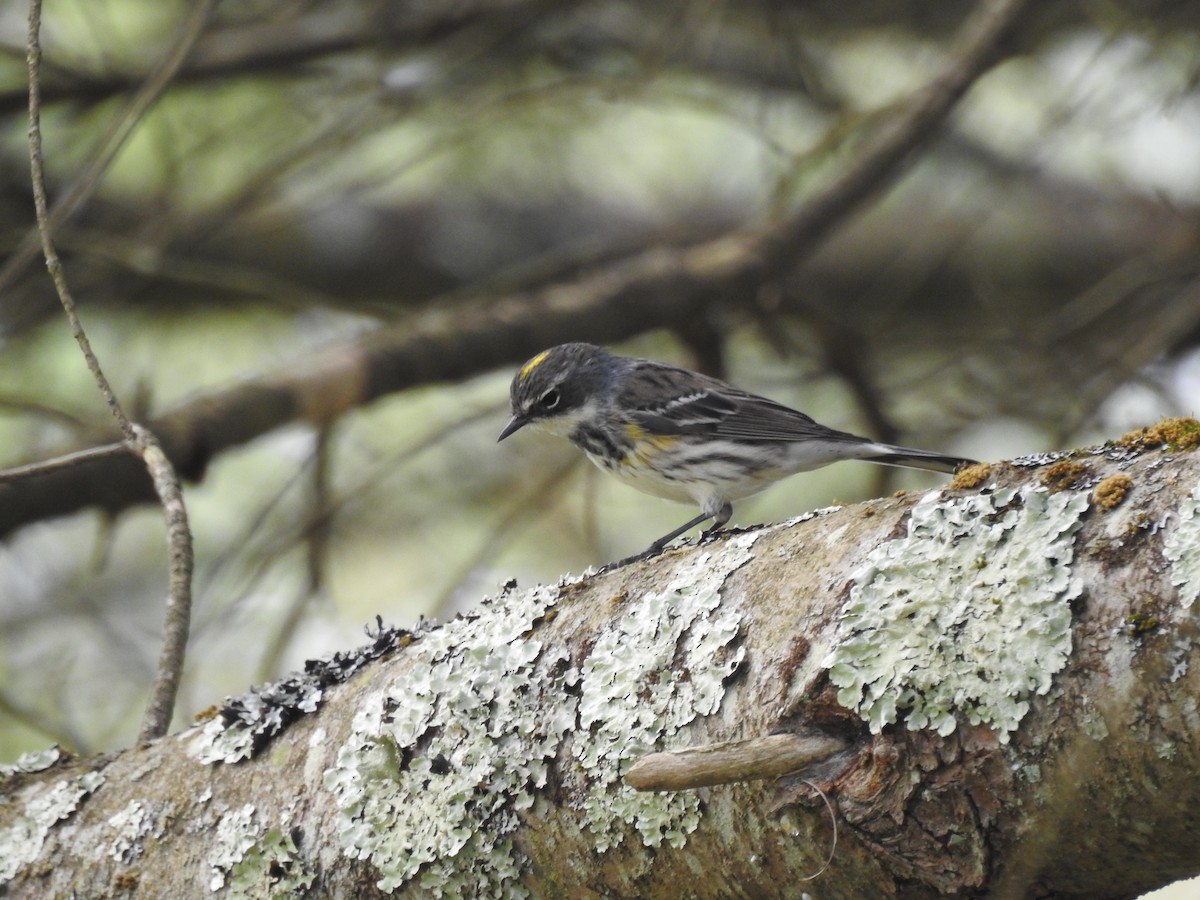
732, 761
316, 556
140, 441
70, 460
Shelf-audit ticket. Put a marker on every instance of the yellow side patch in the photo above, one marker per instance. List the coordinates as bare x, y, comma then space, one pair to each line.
661, 443
645, 446
532, 364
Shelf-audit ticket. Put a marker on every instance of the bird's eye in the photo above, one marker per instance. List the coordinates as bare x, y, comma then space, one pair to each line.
549, 399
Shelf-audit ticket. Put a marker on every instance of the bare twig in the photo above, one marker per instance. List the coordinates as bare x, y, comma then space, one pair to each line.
139, 440
833, 842
731, 761
16, 473
179, 588
317, 532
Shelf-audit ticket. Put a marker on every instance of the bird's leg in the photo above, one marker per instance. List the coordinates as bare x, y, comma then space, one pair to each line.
719, 519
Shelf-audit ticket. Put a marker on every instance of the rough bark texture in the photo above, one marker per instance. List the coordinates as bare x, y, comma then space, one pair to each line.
1010, 663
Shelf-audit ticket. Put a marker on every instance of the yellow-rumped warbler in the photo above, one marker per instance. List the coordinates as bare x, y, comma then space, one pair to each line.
681, 435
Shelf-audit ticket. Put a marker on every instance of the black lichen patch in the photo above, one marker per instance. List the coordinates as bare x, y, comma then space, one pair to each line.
264, 711
1033, 460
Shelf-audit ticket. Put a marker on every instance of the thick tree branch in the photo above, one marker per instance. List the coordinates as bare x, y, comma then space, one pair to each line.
998, 661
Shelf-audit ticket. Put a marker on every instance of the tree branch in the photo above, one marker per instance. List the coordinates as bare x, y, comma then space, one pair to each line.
998, 662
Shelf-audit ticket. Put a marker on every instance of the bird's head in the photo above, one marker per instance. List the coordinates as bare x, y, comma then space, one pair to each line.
559, 387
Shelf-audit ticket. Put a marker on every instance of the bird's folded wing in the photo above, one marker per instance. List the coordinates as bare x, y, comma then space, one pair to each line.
728, 412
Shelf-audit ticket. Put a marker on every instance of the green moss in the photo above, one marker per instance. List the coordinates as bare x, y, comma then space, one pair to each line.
1141, 623
1177, 435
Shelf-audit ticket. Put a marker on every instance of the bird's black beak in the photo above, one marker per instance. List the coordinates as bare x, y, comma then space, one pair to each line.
516, 423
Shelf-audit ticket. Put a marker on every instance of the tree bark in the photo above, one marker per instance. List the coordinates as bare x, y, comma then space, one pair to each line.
993, 684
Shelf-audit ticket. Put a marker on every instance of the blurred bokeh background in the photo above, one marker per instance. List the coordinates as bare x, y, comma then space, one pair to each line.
316, 171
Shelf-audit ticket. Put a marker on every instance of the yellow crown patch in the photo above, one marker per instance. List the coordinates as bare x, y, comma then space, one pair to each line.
532, 364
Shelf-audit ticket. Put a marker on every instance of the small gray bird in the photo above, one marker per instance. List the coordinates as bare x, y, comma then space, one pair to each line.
681, 435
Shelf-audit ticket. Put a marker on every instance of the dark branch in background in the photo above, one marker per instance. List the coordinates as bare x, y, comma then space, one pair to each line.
141, 441
977, 46
650, 290
110, 143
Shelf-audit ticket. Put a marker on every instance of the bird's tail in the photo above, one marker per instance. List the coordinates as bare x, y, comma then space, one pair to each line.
917, 459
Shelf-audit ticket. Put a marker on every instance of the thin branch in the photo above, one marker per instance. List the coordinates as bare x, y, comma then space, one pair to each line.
177, 620
138, 439
67, 461
317, 534
977, 46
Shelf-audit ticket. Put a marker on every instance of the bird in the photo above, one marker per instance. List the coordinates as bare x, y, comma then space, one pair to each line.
680, 435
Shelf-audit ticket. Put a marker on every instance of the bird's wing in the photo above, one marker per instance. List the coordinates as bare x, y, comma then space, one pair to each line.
671, 401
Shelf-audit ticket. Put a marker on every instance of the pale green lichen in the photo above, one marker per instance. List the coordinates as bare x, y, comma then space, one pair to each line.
966, 616
1181, 547
440, 763
217, 742
33, 761
21, 842
130, 826
1166, 749
661, 664
270, 869
253, 862
1093, 725
235, 834
489, 708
